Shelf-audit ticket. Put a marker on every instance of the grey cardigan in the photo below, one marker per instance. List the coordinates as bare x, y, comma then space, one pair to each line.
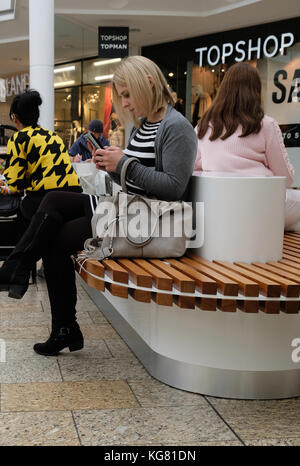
175, 153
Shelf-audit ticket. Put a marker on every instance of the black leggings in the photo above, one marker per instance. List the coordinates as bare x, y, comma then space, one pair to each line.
69, 209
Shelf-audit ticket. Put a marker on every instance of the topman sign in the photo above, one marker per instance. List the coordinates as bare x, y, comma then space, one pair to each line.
245, 50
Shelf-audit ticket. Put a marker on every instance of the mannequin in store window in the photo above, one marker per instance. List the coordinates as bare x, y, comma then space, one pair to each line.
236, 136
79, 151
116, 132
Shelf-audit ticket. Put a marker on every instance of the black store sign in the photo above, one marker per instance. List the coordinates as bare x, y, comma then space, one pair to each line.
291, 134
113, 42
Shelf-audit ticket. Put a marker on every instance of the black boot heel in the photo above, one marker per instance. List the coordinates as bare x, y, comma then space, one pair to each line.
76, 346
17, 291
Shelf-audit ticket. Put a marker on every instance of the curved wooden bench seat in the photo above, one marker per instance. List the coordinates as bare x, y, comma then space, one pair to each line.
192, 281
241, 350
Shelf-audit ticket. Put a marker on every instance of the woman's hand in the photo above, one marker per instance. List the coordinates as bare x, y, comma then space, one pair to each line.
108, 158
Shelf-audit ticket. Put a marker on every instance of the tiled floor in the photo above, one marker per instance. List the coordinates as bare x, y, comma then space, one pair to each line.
102, 395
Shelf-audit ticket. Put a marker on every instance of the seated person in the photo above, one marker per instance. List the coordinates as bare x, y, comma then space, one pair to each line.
79, 151
235, 135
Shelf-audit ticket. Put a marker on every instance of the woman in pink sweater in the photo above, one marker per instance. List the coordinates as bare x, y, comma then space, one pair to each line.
235, 136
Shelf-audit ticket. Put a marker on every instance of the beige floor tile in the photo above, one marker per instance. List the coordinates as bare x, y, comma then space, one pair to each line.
97, 317
25, 333
66, 396
21, 350
92, 349
119, 349
261, 419
187, 424
73, 368
152, 393
14, 305
276, 442
38, 429
26, 318
30, 370
98, 331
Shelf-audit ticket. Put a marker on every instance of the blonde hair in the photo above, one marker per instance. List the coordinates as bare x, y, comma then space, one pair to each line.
133, 73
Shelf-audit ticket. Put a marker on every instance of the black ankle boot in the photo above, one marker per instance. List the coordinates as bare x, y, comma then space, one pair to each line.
15, 272
14, 276
60, 338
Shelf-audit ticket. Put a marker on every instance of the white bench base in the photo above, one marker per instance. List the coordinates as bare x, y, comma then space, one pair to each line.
229, 355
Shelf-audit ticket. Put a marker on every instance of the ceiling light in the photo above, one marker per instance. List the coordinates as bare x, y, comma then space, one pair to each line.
104, 77
62, 70
171, 75
64, 83
106, 62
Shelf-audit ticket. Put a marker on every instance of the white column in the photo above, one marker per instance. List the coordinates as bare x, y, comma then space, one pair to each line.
41, 56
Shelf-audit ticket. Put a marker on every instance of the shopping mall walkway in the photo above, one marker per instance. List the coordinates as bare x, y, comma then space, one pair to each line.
102, 395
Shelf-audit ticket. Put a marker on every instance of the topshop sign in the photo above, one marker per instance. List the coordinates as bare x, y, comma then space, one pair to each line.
244, 50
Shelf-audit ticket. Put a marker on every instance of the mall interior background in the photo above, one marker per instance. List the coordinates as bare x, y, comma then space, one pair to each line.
82, 88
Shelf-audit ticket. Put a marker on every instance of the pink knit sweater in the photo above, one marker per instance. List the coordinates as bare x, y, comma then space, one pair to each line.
261, 154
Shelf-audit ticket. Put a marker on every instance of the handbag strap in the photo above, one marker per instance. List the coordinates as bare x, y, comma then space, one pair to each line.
124, 170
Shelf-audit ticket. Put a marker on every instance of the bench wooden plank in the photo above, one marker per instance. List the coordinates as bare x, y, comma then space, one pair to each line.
291, 263
181, 282
140, 295
248, 286
205, 284
115, 271
287, 255
227, 305
287, 268
292, 233
248, 306
291, 249
207, 304
270, 307
225, 285
162, 299
162, 280
267, 287
95, 268
290, 307
185, 302
288, 287
136, 274
291, 242
117, 290
291, 281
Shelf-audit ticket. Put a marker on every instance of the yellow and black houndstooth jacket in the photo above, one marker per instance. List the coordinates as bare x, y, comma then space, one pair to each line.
38, 161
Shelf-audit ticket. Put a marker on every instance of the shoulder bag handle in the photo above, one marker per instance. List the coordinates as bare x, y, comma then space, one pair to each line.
124, 170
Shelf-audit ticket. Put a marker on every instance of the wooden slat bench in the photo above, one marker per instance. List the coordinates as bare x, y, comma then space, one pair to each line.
192, 282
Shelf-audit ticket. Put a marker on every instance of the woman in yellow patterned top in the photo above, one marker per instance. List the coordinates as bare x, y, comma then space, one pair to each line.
38, 161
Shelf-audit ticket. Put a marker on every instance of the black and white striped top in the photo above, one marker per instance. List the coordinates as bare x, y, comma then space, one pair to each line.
142, 147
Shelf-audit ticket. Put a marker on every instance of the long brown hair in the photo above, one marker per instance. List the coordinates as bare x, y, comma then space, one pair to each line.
238, 102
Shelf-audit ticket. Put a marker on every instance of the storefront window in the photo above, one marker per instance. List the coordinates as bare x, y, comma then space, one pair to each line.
82, 94
67, 75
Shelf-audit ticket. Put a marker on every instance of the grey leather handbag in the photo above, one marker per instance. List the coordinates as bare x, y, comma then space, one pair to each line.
130, 225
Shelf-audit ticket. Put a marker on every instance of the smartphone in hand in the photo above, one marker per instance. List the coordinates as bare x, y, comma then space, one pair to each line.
93, 141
